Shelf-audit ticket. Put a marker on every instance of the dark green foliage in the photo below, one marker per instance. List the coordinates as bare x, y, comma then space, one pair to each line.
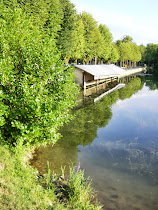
132, 87
142, 49
156, 62
127, 39
66, 39
151, 81
151, 55
87, 120
37, 91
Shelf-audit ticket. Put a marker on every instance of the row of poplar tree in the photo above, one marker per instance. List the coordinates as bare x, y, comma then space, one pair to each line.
36, 89
78, 37
150, 56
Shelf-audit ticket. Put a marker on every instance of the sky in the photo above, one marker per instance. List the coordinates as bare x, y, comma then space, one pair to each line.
136, 18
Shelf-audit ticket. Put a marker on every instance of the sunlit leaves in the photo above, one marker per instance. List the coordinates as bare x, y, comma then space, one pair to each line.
37, 90
129, 51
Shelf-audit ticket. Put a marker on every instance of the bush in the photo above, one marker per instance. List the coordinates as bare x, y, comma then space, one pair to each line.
37, 90
81, 194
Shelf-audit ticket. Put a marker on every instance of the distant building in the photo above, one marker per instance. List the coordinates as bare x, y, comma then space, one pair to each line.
87, 75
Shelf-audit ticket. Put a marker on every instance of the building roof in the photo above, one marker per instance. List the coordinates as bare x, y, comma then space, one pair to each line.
102, 71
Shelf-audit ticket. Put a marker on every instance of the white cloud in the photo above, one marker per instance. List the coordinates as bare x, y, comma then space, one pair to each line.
142, 100
120, 24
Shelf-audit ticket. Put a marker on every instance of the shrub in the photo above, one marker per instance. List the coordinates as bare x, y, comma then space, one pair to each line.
37, 90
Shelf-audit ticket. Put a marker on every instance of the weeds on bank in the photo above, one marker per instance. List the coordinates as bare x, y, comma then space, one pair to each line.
19, 188
74, 191
81, 194
22, 188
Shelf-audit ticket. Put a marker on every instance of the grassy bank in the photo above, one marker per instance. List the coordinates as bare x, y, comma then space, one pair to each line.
37, 92
22, 188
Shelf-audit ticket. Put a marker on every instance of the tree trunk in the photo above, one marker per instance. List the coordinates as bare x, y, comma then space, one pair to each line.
87, 60
120, 63
67, 60
95, 60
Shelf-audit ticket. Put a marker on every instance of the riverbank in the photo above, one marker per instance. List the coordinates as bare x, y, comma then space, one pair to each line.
21, 187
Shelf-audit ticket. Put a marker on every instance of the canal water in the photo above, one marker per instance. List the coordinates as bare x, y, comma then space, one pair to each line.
115, 141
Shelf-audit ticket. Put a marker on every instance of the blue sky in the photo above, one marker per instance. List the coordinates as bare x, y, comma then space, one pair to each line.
136, 18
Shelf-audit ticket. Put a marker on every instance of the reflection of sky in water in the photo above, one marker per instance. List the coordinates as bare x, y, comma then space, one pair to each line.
123, 159
134, 119
131, 133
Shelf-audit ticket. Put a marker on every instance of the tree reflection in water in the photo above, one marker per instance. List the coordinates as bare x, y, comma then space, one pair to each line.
82, 130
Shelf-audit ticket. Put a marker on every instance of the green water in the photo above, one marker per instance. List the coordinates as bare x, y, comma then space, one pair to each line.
116, 142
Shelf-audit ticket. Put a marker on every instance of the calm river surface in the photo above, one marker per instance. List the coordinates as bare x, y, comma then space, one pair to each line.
115, 141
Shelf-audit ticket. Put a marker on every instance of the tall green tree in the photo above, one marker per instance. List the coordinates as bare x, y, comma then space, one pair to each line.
47, 14
107, 43
54, 19
136, 54
142, 50
79, 45
66, 36
93, 39
151, 54
129, 52
36, 90
127, 38
124, 50
114, 55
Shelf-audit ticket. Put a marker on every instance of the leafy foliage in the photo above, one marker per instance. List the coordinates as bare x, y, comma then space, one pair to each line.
129, 51
79, 45
132, 87
127, 39
114, 55
78, 37
80, 191
84, 126
37, 91
47, 14
93, 38
66, 38
151, 54
107, 45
